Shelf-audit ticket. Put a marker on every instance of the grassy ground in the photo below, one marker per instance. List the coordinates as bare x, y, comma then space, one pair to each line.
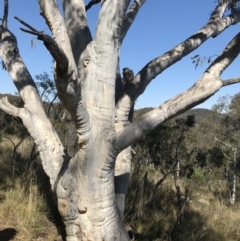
24, 213
206, 214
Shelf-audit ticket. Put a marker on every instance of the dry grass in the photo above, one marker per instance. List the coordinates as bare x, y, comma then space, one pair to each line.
23, 209
208, 216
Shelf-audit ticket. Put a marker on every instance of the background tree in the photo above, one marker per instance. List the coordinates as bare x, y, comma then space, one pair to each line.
227, 136
91, 186
217, 140
162, 151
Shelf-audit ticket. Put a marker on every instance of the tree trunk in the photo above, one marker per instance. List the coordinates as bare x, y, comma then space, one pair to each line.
86, 196
233, 193
121, 179
177, 170
91, 186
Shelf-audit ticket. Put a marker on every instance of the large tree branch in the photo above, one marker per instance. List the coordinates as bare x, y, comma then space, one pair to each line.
67, 83
56, 51
33, 115
51, 150
49, 10
101, 61
15, 66
204, 88
109, 29
215, 25
77, 26
5, 14
91, 3
127, 22
226, 58
131, 15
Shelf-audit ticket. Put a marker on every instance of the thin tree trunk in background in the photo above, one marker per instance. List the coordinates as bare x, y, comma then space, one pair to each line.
233, 194
177, 170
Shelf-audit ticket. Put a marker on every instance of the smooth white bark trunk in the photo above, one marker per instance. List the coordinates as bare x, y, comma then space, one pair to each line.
86, 196
233, 193
90, 198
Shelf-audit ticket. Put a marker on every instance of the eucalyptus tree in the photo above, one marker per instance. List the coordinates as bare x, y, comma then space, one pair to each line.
91, 186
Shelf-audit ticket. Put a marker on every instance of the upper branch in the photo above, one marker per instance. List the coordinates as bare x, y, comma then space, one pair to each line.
102, 58
77, 26
55, 21
231, 81
32, 115
131, 15
5, 14
67, 83
226, 58
204, 88
215, 25
110, 22
56, 51
91, 3
15, 66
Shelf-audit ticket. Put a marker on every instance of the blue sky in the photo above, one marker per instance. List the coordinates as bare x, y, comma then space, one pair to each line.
159, 26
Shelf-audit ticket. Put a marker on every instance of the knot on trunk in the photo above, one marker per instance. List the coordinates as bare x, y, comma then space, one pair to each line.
112, 137
86, 61
82, 207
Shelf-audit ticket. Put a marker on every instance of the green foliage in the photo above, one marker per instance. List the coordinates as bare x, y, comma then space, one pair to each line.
198, 175
165, 146
152, 213
162, 207
33, 43
46, 86
198, 60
